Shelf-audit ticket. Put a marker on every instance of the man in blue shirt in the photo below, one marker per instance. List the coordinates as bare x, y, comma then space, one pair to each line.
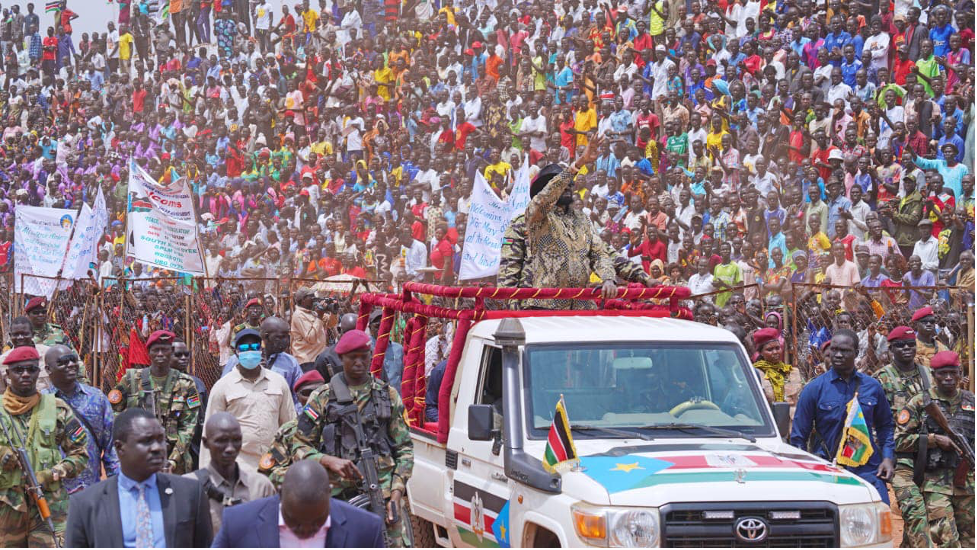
92, 409
822, 408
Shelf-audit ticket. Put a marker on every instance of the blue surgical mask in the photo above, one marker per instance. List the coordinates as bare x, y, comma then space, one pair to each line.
249, 359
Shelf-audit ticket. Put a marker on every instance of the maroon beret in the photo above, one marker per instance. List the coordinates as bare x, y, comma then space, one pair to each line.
308, 378
34, 303
353, 340
252, 302
23, 353
901, 333
940, 360
160, 336
922, 312
763, 336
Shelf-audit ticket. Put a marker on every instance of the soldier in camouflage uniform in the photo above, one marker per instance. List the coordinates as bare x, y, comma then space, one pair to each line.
514, 257
562, 249
55, 442
45, 333
276, 461
325, 431
927, 344
171, 395
902, 380
949, 502
255, 313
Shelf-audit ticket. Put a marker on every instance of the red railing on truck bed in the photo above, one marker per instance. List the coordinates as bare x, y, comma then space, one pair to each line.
628, 303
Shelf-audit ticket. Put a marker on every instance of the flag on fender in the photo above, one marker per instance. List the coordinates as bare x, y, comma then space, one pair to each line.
560, 454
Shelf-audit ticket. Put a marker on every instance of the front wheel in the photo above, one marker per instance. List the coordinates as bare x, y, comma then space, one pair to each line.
422, 528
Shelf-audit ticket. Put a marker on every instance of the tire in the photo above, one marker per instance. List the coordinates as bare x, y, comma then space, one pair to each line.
423, 530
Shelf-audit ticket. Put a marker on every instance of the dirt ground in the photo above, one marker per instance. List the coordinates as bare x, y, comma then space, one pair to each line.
896, 521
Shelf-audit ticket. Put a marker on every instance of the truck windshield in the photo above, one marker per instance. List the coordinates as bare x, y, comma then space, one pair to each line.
644, 385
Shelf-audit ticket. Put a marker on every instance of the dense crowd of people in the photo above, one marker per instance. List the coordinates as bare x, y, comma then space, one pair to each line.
804, 167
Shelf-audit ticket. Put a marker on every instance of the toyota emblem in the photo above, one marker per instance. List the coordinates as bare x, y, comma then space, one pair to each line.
751, 530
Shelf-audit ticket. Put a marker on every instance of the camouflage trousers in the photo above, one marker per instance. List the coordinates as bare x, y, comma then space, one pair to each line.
28, 530
915, 530
951, 519
395, 534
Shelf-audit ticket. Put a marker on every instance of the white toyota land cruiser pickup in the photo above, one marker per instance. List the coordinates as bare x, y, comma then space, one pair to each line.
677, 446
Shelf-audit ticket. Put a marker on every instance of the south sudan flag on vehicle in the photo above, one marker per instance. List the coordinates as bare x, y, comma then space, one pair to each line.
856, 439
560, 454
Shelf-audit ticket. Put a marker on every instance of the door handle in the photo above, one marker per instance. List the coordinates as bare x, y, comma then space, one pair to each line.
466, 462
499, 476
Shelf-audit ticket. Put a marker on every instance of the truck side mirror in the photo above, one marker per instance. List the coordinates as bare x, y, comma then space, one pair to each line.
480, 422
781, 415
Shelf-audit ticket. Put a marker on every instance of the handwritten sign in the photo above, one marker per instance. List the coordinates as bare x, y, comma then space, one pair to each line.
488, 218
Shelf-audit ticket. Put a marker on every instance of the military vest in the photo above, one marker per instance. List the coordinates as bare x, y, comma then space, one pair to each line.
338, 433
168, 410
40, 441
961, 420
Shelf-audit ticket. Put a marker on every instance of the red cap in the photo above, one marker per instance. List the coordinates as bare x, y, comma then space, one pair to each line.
940, 360
34, 303
901, 333
304, 192
308, 378
160, 337
23, 353
476, 44
763, 336
469, 51
252, 302
353, 340
922, 312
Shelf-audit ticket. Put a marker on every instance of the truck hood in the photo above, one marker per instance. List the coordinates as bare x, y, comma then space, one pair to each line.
642, 473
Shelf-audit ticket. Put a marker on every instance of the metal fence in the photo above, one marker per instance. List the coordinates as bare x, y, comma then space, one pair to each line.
109, 323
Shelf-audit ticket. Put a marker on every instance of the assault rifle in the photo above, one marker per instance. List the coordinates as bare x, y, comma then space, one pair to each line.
959, 442
371, 496
33, 488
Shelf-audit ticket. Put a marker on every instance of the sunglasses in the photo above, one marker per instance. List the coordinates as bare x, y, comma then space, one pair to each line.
67, 360
256, 346
902, 345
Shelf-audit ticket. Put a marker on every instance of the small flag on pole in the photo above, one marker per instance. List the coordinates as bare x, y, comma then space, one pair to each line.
54, 5
856, 439
560, 454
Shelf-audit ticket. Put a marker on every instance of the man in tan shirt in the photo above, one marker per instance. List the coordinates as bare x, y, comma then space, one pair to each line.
226, 481
258, 398
308, 329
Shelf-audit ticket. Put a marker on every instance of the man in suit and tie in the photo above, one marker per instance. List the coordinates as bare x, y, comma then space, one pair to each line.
303, 517
141, 507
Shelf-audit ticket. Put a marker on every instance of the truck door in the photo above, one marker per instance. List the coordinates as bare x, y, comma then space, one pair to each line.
480, 489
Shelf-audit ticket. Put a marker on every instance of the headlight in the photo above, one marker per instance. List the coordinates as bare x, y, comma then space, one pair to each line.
617, 527
865, 524
634, 528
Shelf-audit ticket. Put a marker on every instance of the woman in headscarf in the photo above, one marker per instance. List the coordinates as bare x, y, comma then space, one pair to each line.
770, 353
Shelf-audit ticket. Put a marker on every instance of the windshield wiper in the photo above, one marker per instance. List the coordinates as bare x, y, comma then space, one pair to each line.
722, 432
611, 431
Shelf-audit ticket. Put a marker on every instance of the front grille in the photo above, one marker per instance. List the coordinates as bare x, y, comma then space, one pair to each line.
687, 525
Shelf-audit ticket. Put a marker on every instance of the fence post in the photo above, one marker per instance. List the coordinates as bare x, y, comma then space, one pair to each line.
970, 343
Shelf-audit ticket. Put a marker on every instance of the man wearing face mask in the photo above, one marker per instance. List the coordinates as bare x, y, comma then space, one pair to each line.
258, 397
562, 249
274, 347
166, 392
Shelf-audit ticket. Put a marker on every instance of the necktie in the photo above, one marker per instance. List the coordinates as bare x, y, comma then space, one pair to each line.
144, 525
